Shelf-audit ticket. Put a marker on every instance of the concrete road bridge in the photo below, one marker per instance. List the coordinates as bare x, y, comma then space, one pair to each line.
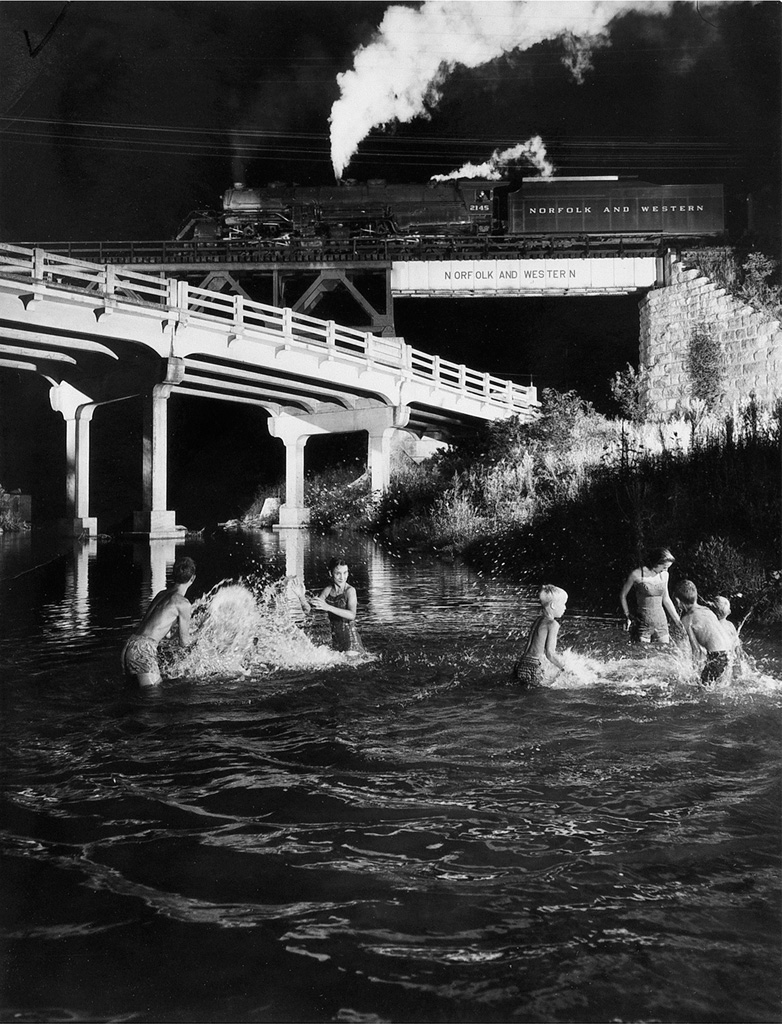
99, 334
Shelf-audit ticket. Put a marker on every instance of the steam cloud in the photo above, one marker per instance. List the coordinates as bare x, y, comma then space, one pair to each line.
533, 150
399, 74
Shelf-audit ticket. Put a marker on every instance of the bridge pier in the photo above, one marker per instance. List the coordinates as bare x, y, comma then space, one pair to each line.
154, 519
379, 458
293, 512
294, 429
77, 410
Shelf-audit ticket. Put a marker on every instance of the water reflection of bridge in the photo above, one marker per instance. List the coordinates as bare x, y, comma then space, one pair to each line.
155, 557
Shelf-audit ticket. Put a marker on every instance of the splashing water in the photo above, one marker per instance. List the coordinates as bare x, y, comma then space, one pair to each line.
662, 671
247, 628
670, 671
253, 627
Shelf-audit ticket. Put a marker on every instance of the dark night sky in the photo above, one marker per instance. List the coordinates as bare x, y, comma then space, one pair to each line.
130, 115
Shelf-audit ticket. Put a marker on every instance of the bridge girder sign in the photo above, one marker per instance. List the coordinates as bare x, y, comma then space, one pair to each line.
508, 278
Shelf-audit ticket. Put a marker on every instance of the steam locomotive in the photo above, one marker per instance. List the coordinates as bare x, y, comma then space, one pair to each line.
280, 215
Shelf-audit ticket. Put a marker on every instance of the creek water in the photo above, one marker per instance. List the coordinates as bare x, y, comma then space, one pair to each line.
282, 833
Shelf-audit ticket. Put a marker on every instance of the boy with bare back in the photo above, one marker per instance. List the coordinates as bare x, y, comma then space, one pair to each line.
705, 632
722, 611
139, 656
542, 638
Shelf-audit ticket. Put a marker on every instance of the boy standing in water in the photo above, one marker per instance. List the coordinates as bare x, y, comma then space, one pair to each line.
722, 611
139, 655
542, 638
705, 633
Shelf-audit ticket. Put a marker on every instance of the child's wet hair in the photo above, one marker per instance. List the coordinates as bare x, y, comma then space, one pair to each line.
184, 570
722, 607
335, 562
687, 592
549, 593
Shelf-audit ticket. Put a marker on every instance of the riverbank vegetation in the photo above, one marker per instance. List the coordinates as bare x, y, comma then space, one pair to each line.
751, 276
11, 520
575, 498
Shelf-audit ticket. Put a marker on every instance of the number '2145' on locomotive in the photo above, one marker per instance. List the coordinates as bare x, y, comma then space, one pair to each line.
558, 207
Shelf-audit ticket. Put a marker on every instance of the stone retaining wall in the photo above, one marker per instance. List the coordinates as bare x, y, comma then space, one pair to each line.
747, 344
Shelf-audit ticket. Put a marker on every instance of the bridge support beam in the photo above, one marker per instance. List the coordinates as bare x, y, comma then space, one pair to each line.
379, 458
77, 410
331, 279
154, 519
294, 429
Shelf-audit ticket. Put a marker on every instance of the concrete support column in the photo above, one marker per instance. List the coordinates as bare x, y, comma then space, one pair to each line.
154, 518
294, 428
379, 458
77, 410
293, 513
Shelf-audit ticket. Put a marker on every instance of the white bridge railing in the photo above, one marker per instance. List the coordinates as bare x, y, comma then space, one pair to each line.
240, 316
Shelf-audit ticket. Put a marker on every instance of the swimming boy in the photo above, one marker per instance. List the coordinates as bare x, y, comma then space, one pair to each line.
705, 632
722, 611
542, 638
139, 656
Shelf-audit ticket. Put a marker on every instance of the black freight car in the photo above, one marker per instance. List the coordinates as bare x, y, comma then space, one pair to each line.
608, 207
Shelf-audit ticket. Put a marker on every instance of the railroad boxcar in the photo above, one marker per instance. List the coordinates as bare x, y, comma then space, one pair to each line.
609, 206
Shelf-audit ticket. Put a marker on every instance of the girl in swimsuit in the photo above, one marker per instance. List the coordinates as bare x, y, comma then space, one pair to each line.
339, 601
649, 586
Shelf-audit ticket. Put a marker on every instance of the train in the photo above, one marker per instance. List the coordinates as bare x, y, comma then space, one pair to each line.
279, 215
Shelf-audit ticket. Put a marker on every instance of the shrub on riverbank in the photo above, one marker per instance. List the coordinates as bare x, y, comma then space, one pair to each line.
337, 500
750, 276
576, 498
10, 518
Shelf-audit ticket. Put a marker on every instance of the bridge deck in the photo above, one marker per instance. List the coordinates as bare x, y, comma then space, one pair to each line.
234, 347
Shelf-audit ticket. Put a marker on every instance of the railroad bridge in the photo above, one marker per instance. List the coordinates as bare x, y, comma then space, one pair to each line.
102, 333
375, 272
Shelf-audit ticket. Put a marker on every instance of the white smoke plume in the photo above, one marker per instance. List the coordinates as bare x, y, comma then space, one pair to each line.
533, 151
578, 53
400, 72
